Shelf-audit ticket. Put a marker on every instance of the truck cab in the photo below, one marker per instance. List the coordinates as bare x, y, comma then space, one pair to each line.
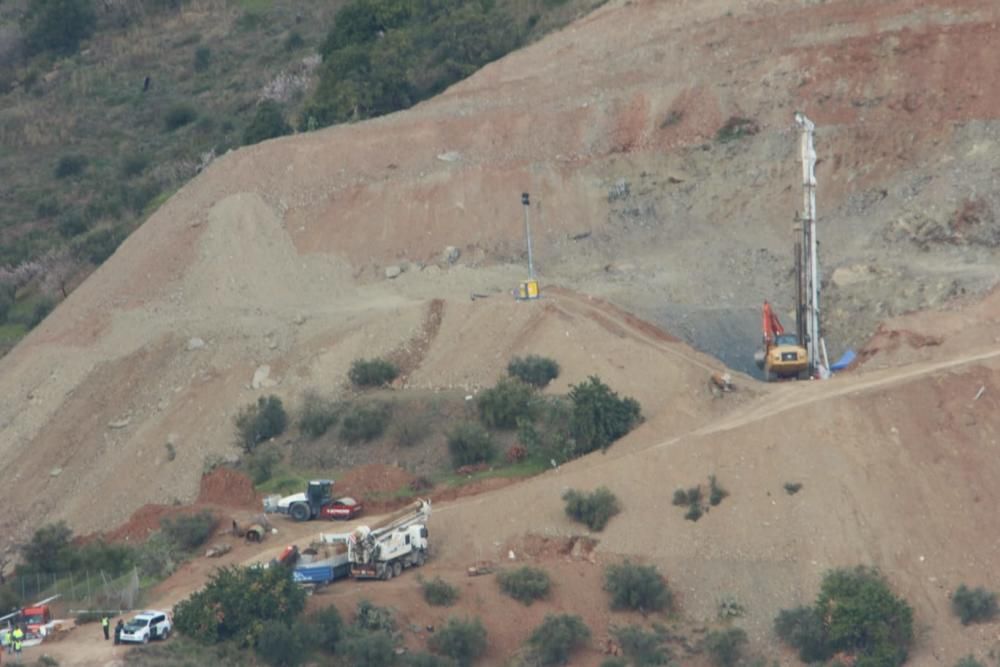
36, 618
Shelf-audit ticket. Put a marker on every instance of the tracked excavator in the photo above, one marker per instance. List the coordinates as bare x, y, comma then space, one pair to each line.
783, 356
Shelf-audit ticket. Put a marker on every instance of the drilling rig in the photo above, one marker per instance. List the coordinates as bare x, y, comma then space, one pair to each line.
801, 354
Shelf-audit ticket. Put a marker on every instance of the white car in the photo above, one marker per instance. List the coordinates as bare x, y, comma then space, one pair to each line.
146, 626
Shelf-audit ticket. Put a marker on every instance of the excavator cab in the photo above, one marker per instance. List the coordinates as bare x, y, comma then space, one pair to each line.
783, 355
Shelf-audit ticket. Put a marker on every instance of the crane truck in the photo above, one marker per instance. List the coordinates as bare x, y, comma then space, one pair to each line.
783, 355
383, 550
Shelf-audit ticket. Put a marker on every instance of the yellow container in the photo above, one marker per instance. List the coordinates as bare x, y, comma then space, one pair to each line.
528, 289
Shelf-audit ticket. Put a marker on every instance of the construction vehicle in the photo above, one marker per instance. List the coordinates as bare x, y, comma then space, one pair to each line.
783, 355
316, 503
382, 551
322, 563
36, 621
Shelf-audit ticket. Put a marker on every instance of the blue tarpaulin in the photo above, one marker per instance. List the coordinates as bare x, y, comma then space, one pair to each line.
845, 360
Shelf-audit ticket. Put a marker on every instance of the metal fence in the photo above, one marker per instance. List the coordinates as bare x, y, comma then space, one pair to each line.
89, 590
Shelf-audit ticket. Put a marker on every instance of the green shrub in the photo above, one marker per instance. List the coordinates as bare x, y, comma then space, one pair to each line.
50, 550
9, 598
680, 497
726, 646
502, 405
426, 660
469, 443
240, 604
268, 122
6, 302
329, 628
260, 464
70, 165
257, 423
969, 661
411, 428
855, 612
438, 592
594, 509
641, 646
716, 493
599, 416
864, 615
111, 558
534, 370
422, 50
202, 58
57, 25
96, 246
737, 127
318, 414
41, 311
974, 605
547, 436
364, 422
48, 207
158, 556
791, 488
619, 662
283, 645
373, 618
730, 607
178, 116
803, 629
88, 617
525, 584
557, 638
462, 641
190, 531
134, 164
637, 587
372, 372
367, 649
294, 41
71, 224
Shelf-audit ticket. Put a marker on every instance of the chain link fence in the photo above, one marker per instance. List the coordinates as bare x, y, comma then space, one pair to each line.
83, 590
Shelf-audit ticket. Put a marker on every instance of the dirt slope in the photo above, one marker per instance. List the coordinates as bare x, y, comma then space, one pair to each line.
275, 257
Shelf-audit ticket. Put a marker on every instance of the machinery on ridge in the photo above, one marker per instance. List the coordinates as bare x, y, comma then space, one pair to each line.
783, 355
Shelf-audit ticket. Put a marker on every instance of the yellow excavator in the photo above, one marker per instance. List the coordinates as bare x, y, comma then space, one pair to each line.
783, 355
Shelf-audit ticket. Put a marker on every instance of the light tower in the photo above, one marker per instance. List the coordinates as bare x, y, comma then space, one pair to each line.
528, 289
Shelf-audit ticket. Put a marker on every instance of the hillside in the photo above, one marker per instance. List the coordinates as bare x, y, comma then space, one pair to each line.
102, 120
276, 255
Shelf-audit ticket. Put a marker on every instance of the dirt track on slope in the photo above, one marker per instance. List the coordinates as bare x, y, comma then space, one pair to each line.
272, 264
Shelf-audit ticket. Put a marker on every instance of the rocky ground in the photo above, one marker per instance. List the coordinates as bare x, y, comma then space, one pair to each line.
283, 262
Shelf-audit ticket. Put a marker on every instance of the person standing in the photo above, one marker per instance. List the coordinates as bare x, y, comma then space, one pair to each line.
17, 636
105, 622
118, 631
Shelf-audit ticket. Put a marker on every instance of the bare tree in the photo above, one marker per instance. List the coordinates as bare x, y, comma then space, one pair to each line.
59, 270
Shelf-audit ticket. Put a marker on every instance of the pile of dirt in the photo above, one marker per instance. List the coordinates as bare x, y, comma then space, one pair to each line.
226, 487
147, 520
543, 547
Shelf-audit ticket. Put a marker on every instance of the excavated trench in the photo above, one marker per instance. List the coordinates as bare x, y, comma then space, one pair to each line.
731, 335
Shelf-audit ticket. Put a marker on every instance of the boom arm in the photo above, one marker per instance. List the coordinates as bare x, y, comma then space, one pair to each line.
772, 326
417, 512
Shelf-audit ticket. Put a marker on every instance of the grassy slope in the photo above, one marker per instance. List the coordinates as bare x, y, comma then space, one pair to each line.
211, 56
